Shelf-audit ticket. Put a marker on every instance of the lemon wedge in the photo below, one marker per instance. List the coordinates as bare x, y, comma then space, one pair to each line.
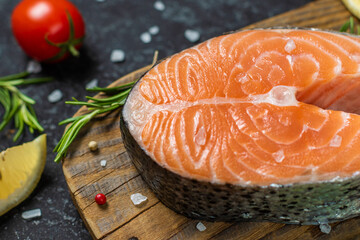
20, 171
353, 6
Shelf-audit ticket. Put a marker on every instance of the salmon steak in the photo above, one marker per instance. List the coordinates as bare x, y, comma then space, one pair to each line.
256, 125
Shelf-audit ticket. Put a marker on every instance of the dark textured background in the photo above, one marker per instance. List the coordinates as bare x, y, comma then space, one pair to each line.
112, 24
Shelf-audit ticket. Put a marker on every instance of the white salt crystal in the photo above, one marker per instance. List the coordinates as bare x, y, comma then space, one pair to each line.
192, 35
336, 141
200, 226
31, 214
279, 156
325, 228
55, 96
290, 45
145, 37
159, 5
103, 163
246, 215
275, 185
154, 30
117, 55
33, 67
138, 199
93, 83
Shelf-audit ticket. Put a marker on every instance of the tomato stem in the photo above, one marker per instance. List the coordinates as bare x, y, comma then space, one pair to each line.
73, 50
69, 45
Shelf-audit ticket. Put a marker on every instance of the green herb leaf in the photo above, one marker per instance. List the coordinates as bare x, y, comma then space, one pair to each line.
18, 106
349, 26
96, 106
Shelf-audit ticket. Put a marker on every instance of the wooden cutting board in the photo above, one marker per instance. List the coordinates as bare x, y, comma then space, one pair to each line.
120, 219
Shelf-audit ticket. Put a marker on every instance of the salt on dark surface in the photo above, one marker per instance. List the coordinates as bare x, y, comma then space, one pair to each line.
145, 37
93, 83
117, 55
159, 5
55, 96
30, 214
33, 67
192, 35
154, 30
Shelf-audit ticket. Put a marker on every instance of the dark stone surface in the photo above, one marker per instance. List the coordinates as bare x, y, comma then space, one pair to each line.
110, 25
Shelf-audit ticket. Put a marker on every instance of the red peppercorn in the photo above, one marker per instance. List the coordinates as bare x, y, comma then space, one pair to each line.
100, 199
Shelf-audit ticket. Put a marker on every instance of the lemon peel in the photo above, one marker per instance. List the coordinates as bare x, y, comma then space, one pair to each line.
353, 6
20, 171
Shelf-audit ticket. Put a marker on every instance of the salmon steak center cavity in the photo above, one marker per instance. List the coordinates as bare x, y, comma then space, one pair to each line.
252, 115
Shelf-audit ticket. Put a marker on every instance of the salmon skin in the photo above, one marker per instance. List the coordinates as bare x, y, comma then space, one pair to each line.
257, 125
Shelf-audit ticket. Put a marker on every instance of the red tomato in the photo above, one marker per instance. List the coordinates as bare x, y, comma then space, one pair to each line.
43, 28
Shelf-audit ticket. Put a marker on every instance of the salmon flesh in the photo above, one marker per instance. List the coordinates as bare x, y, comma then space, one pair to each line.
256, 125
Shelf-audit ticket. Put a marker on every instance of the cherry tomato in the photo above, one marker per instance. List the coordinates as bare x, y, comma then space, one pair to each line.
48, 30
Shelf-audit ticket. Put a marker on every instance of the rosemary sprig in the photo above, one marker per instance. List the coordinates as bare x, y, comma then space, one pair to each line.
17, 105
95, 107
116, 98
350, 26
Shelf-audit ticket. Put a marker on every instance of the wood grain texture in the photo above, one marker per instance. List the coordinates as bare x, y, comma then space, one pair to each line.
120, 219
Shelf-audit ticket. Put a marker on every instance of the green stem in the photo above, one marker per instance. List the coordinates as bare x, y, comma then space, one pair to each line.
14, 76
73, 51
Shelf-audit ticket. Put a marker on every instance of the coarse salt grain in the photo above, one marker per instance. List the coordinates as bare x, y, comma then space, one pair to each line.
192, 35
55, 96
33, 67
200, 226
159, 5
103, 163
93, 83
145, 37
117, 55
138, 199
35, 213
325, 228
154, 30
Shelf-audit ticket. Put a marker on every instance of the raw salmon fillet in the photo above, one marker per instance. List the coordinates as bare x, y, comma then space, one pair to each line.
256, 107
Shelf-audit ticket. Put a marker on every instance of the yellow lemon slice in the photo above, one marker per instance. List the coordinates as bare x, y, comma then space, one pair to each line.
353, 6
20, 171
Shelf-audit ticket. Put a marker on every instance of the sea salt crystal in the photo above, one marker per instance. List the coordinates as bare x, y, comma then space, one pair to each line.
283, 96
336, 141
200, 226
27, 215
200, 136
290, 45
138, 199
325, 228
159, 5
246, 215
55, 96
145, 37
93, 83
154, 30
279, 156
33, 67
103, 163
275, 185
192, 35
117, 55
